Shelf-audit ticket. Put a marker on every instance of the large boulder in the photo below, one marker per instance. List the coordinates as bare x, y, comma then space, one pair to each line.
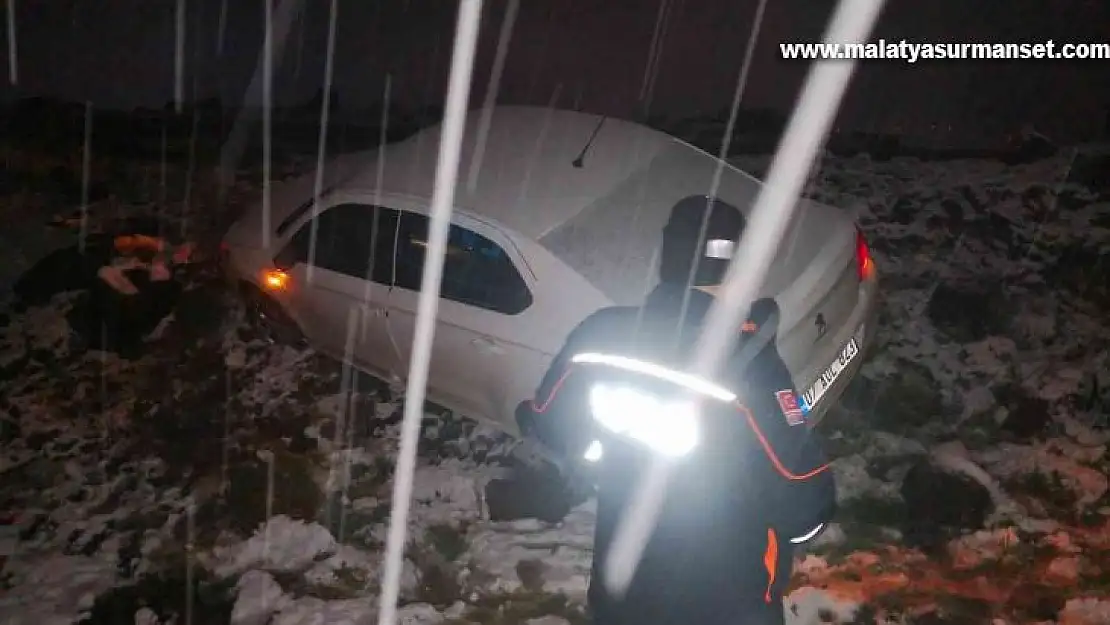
967, 313
1027, 416
941, 504
535, 493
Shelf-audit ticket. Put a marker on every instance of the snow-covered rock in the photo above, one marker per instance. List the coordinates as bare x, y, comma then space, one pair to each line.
345, 557
812, 606
418, 614
954, 458
51, 589
456, 611
565, 552
547, 620
1085, 611
1061, 542
446, 492
145, 616
940, 501
1063, 570
986, 545
313, 611
853, 481
1061, 459
1083, 434
281, 545
259, 597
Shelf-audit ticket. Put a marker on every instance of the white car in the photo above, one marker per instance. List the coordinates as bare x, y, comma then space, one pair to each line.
557, 214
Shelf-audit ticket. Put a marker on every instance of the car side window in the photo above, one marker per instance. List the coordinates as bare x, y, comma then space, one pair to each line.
476, 271
351, 239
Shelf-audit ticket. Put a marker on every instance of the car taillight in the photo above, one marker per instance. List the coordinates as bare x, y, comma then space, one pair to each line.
865, 265
225, 253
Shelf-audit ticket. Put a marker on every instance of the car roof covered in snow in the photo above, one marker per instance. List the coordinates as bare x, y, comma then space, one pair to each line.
603, 218
526, 179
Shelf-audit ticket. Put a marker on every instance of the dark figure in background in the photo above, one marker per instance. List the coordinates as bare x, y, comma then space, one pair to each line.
135, 290
755, 485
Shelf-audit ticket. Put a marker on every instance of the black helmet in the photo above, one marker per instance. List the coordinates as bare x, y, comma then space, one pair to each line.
708, 255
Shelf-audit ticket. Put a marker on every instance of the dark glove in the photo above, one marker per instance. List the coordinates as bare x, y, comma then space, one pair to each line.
563, 450
528, 493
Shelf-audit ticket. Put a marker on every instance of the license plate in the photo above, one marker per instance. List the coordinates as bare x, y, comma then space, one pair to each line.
825, 381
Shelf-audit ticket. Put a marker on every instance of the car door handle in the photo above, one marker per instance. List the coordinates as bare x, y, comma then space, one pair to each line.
374, 311
487, 345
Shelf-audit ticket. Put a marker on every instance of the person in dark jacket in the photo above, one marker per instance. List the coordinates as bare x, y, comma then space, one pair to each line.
754, 485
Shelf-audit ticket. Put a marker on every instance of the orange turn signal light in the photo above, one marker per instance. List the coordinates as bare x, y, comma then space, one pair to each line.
275, 279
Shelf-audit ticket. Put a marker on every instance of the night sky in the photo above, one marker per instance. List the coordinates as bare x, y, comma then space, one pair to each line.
591, 54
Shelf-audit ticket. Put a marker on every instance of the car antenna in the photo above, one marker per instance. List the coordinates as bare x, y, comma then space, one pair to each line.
578, 162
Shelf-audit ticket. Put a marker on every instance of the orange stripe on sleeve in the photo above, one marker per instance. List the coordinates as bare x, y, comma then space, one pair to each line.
771, 455
541, 408
771, 561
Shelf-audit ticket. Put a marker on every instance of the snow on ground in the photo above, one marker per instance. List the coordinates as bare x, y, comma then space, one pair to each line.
216, 478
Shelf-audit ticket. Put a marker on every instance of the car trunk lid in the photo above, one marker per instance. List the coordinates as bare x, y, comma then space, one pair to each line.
815, 279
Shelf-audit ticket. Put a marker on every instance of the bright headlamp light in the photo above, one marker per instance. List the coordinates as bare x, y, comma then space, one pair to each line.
668, 427
666, 423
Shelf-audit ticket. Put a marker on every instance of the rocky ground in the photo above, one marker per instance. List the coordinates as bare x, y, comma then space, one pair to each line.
214, 478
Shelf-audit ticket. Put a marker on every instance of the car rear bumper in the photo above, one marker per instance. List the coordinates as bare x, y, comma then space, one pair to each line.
863, 328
